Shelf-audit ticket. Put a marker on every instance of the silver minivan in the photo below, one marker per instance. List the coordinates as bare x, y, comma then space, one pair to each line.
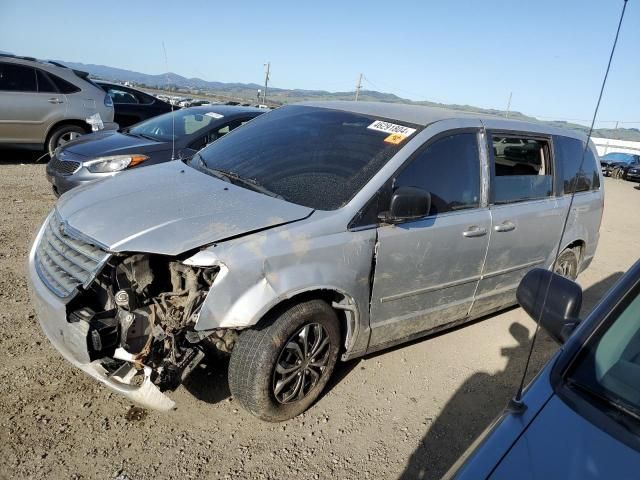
316, 232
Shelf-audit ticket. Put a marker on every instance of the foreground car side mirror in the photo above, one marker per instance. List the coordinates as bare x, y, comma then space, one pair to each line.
559, 316
407, 203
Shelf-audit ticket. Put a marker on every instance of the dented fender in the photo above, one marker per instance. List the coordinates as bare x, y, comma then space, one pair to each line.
260, 271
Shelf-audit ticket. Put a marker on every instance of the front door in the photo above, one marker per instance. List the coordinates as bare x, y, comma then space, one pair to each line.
427, 270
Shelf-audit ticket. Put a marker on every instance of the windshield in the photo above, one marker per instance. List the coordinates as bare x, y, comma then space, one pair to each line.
316, 157
179, 123
618, 157
609, 366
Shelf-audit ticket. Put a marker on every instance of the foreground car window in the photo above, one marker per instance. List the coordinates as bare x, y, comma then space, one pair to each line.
608, 371
316, 157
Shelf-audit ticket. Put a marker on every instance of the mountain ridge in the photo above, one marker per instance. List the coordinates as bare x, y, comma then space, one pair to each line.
248, 92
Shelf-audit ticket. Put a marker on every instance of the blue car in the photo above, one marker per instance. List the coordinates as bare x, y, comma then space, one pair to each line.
580, 418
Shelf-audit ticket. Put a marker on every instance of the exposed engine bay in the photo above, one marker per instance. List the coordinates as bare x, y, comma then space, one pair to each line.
141, 311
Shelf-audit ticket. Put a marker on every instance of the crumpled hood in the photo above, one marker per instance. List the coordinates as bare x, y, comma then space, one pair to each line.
170, 208
111, 142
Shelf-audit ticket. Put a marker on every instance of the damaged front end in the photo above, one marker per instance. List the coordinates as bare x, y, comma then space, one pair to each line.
141, 311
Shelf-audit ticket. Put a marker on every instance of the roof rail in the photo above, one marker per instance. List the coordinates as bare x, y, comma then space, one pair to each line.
11, 55
57, 64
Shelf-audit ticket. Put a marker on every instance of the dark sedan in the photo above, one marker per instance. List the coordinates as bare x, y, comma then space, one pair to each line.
133, 106
105, 153
632, 173
580, 417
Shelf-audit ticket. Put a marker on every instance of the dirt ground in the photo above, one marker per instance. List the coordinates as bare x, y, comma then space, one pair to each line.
408, 412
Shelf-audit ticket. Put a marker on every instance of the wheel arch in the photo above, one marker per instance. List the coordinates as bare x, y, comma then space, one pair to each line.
66, 121
343, 304
577, 246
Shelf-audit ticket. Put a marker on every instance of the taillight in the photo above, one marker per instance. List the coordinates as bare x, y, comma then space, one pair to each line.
108, 101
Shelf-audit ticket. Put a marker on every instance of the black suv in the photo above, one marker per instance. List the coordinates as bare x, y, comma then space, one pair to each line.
131, 105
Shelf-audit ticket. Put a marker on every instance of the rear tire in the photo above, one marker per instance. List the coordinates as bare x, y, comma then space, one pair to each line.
567, 264
63, 134
271, 360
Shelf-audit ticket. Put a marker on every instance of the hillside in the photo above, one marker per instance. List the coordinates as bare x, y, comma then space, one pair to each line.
279, 96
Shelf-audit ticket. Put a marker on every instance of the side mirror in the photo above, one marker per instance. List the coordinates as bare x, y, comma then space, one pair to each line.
559, 315
407, 203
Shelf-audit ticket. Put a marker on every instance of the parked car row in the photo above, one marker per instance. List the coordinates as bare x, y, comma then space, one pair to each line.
621, 165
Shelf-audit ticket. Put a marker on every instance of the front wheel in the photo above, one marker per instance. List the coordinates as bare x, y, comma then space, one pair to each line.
62, 135
278, 369
567, 264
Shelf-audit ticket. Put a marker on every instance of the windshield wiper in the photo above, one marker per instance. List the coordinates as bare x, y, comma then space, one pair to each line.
608, 400
235, 179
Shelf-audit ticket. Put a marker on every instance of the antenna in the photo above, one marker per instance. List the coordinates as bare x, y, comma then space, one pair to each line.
266, 81
508, 105
173, 117
516, 404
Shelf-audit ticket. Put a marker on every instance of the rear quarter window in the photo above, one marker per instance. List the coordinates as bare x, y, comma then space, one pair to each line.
570, 174
62, 85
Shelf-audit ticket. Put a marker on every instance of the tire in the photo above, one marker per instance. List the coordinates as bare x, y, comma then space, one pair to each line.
567, 264
253, 378
63, 134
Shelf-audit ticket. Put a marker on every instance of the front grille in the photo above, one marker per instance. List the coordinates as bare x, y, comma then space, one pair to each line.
65, 167
64, 262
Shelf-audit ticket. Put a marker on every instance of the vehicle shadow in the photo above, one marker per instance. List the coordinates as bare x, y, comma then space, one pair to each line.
483, 396
16, 156
210, 384
209, 381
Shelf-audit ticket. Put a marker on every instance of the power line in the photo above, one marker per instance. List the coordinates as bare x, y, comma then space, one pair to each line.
358, 87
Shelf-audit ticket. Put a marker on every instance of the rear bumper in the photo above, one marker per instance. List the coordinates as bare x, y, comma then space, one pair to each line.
70, 339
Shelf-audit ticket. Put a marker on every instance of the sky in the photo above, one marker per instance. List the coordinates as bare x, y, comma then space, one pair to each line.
550, 54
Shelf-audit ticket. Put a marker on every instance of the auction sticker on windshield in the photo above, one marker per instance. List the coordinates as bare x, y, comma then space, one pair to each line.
397, 132
214, 115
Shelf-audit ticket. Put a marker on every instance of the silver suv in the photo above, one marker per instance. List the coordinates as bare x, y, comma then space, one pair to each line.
314, 232
43, 105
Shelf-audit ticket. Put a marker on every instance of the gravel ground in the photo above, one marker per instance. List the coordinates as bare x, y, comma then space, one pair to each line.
408, 412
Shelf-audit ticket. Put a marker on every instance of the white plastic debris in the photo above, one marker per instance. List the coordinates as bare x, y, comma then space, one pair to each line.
95, 121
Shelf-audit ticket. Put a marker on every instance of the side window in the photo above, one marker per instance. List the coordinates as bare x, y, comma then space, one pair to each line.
120, 96
144, 99
17, 78
45, 85
449, 169
62, 85
521, 169
214, 135
568, 157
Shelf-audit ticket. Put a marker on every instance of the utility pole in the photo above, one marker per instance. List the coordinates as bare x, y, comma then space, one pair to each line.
358, 87
509, 104
266, 81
